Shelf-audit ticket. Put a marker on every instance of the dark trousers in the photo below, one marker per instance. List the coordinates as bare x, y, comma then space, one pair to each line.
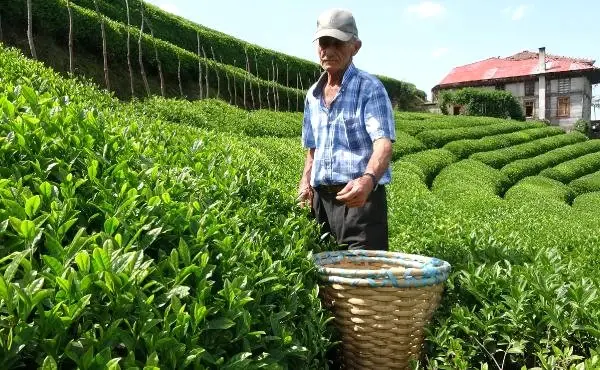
353, 228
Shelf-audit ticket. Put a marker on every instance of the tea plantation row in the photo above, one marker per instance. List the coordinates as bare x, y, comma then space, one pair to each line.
165, 234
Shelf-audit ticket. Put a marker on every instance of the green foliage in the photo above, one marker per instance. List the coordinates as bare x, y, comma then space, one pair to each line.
483, 102
217, 115
51, 18
502, 157
586, 184
177, 37
573, 169
440, 137
532, 166
131, 240
588, 202
430, 162
405, 144
540, 189
469, 180
184, 34
413, 123
582, 126
464, 148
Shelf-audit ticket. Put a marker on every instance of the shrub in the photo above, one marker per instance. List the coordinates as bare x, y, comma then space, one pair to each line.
573, 169
539, 189
405, 144
438, 138
532, 166
466, 147
483, 102
502, 157
586, 184
430, 162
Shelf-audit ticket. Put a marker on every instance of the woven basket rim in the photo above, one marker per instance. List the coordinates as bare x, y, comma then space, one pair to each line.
412, 270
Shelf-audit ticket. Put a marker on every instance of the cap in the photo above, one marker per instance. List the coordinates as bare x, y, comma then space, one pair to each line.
337, 23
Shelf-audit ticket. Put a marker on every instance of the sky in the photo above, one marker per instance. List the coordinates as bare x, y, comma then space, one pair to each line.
414, 41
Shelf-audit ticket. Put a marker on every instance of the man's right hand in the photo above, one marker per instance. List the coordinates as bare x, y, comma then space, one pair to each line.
305, 194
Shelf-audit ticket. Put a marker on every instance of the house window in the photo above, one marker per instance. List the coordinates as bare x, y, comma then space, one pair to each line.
564, 85
564, 106
456, 110
529, 108
529, 88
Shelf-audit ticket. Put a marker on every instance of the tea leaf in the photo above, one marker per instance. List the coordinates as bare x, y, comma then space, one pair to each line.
31, 205
49, 364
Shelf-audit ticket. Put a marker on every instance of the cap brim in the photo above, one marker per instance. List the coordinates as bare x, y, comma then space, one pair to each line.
331, 32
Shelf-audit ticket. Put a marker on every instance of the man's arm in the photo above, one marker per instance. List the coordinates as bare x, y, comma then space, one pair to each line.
305, 191
356, 192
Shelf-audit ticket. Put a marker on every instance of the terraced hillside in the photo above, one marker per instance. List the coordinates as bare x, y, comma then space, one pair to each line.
166, 234
189, 55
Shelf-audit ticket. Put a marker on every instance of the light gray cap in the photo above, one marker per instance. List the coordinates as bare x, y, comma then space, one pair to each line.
337, 23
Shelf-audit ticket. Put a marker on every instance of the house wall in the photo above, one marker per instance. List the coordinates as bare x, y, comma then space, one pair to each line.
580, 99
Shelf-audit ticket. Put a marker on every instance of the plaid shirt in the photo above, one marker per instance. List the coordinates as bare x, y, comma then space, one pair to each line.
343, 134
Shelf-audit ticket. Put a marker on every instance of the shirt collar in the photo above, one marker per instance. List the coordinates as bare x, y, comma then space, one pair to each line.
348, 73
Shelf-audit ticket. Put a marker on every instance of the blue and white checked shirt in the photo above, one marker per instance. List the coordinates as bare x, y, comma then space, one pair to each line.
343, 134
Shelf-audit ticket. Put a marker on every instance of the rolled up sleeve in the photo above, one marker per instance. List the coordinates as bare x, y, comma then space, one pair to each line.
378, 113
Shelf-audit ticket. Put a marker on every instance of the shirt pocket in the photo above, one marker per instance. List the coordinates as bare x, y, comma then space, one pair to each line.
355, 132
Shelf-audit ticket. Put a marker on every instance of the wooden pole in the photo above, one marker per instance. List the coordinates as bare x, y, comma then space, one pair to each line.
199, 67
228, 83
287, 84
158, 63
259, 97
70, 37
212, 51
297, 96
104, 49
129, 51
234, 87
179, 75
30, 30
278, 106
142, 70
249, 73
205, 71
268, 90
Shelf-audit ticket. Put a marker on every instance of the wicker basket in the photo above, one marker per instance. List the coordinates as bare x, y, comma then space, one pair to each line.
381, 302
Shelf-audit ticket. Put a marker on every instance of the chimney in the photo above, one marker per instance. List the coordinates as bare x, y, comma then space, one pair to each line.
542, 60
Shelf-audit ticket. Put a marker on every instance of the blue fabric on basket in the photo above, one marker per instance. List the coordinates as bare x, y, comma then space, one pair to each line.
405, 270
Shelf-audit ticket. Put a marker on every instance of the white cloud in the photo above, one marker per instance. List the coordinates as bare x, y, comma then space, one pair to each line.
439, 52
426, 9
518, 12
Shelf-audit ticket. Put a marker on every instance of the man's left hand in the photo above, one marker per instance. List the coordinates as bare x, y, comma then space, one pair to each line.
356, 192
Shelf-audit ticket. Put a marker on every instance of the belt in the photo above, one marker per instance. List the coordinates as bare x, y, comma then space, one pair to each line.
330, 189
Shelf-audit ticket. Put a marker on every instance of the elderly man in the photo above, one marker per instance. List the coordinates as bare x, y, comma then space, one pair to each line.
348, 130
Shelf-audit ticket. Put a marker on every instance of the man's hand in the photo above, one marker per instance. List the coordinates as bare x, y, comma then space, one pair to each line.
356, 192
305, 194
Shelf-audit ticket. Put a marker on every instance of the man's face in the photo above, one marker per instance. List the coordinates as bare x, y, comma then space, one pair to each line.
334, 54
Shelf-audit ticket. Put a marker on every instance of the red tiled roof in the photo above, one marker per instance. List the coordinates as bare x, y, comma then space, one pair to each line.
521, 64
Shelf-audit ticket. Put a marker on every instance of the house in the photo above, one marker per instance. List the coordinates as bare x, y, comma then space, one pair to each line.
553, 88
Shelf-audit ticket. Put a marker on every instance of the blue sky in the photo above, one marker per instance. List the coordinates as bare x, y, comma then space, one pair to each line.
415, 41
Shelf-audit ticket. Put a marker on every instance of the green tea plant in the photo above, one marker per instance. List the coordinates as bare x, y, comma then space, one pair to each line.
464, 148
440, 137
